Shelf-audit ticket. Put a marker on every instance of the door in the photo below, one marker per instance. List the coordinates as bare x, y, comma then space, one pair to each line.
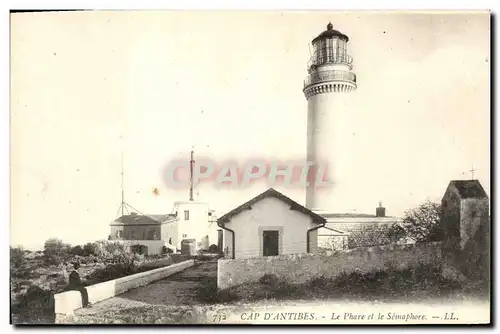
219, 240
270, 241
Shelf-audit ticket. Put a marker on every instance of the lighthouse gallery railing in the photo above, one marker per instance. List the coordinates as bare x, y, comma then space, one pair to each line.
331, 75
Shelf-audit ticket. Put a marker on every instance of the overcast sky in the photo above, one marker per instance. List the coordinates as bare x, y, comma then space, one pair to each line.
230, 85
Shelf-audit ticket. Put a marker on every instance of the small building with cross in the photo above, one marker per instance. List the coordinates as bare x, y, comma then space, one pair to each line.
466, 224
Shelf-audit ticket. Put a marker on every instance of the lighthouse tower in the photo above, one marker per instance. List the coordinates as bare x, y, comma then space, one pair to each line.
328, 88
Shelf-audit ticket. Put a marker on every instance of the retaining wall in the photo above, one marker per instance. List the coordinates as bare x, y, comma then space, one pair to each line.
67, 302
300, 268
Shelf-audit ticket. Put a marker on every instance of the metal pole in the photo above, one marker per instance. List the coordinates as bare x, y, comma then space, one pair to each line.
191, 179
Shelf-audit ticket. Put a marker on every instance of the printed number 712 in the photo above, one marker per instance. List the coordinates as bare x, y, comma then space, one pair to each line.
219, 317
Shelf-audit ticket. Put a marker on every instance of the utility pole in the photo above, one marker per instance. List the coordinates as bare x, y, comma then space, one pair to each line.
123, 191
191, 176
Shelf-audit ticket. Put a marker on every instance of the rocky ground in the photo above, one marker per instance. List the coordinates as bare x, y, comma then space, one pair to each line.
34, 281
191, 297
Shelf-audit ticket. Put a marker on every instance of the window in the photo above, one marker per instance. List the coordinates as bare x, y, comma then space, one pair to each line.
210, 214
184, 235
118, 234
186, 215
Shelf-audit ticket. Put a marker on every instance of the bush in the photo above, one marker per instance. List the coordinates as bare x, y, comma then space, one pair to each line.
320, 282
213, 249
269, 279
112, 271
166, 250
90, 248
423, 222
56, 247
77, 250
35, 297
54, 260
17, 256
376, 234
113, 248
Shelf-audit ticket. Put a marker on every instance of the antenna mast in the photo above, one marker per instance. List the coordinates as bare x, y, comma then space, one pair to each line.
124, 207
123, 191
191, 177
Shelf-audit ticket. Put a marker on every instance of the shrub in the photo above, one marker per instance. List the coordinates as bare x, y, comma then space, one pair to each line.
269, 279
54, 246
113, 248
90, 248
213, 249
54, 260
320, 282
77, 250
112, 271
376, 234
284, 289
423, 222
17, 256
35, 297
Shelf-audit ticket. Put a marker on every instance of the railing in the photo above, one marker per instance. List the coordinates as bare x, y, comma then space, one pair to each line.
330, 58
333, 75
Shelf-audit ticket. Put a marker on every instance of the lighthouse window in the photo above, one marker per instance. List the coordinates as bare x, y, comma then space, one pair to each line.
320, 51
186, 215
342, 50
335, 50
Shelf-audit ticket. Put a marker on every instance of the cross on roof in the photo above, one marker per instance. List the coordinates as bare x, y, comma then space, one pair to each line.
472, 172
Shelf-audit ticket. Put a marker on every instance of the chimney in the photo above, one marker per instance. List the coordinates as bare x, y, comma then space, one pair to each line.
380, 212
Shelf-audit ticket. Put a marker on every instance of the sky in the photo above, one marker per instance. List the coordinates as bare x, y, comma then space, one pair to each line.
87, 86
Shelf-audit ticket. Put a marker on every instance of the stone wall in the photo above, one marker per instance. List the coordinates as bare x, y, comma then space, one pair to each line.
300, 268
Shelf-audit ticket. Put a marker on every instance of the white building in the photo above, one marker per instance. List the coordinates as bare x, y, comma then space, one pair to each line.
195, 220
270, 224
151, 234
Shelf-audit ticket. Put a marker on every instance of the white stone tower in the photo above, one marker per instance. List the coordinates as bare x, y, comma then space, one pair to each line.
328, 88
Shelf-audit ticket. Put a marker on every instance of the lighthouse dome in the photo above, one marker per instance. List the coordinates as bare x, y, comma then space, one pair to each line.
329, 33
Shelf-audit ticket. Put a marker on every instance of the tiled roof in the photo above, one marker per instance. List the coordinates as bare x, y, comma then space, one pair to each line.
136, 219
469, 188
324, 228
272, 193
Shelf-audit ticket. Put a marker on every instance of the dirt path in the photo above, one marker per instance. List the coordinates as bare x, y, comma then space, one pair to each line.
179, 289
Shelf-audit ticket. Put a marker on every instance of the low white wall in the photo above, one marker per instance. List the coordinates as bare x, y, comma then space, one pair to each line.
67, 302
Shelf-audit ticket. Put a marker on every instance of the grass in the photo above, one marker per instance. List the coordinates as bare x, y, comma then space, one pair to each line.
408, 284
